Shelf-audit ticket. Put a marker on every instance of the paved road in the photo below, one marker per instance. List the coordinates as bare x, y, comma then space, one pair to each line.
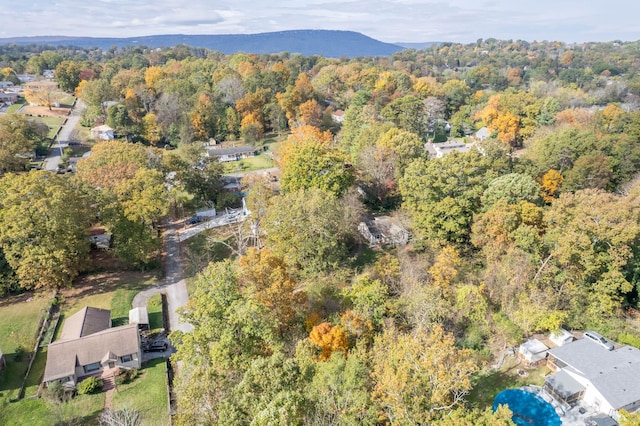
174, 285
52, 161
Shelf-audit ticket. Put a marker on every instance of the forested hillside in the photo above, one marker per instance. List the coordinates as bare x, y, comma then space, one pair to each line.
534, 228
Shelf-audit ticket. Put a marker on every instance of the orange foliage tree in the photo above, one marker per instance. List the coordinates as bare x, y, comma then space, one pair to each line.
329, 338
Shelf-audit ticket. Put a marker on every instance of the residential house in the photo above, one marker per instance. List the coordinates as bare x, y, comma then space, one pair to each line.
90, 346
608, 380
8, 98
6, 84
439, 150
384, 230
483, 134
225, 155
103, 132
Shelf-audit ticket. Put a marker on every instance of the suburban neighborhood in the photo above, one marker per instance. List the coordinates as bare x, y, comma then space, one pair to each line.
446, 235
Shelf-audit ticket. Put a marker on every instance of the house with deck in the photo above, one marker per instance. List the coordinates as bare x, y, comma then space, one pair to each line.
584, 370
89, 346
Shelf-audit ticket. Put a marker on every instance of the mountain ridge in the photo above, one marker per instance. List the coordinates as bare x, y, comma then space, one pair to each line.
329, 43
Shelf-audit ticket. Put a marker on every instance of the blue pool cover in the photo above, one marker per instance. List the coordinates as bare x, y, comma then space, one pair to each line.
528, 408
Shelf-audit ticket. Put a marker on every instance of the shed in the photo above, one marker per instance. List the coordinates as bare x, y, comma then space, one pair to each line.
139, 316
561, 337
532, 351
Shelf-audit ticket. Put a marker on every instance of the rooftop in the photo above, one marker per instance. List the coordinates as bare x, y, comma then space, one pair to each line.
86, 321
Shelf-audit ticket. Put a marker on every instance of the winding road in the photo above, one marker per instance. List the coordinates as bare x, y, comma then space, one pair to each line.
173, 285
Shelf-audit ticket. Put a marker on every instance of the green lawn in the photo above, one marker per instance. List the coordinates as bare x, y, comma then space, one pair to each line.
15, 107
81, 410
146, 393
19, 322
259, 162
154, 308
54, 124
486, 386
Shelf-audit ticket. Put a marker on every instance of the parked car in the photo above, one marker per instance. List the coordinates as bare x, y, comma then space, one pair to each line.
596, 337
157, 346
195, 219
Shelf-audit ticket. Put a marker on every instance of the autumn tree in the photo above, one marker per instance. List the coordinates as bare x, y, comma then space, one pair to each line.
265, 279
419, 376
309, 229
308, 162
443, 194
67, 75
591, 237
550, 184
43, 228
19, 137
329, 338
45, 93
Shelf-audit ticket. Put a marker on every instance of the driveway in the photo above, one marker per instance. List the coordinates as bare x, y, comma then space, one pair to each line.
173, 285
52, 161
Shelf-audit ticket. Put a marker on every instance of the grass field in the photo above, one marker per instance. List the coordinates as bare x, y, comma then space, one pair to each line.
146, 393
19, 320
259, 162
54, 124
154, 308
15, 107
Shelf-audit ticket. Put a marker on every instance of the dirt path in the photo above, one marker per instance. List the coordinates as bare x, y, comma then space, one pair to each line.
174, 285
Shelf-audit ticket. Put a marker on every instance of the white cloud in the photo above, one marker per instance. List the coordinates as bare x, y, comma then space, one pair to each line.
387, 20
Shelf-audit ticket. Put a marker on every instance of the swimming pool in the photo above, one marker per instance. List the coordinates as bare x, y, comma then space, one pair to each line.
528, 408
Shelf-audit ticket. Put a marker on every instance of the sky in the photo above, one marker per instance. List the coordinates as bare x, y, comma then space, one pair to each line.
385, 20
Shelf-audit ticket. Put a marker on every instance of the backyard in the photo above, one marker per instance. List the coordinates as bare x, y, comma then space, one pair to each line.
489, 384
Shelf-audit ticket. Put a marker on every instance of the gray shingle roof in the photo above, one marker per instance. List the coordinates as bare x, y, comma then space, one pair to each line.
615, 374
64, 355
86, 321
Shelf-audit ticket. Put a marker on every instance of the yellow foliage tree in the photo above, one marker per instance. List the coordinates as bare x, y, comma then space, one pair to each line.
418, 377
549, 185
444, 271
265, 279
329, 339
310, 113
152, 76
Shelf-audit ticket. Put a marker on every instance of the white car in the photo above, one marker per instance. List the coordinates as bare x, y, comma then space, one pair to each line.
596, 337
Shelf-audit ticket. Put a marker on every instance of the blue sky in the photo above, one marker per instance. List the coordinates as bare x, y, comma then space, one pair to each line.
386, 20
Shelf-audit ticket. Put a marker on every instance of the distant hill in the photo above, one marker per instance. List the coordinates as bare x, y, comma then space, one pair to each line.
417, 46
327, 43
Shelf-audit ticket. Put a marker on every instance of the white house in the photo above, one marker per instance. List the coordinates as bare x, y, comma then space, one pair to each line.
606, 380
439, 150
483, 134
103, 132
